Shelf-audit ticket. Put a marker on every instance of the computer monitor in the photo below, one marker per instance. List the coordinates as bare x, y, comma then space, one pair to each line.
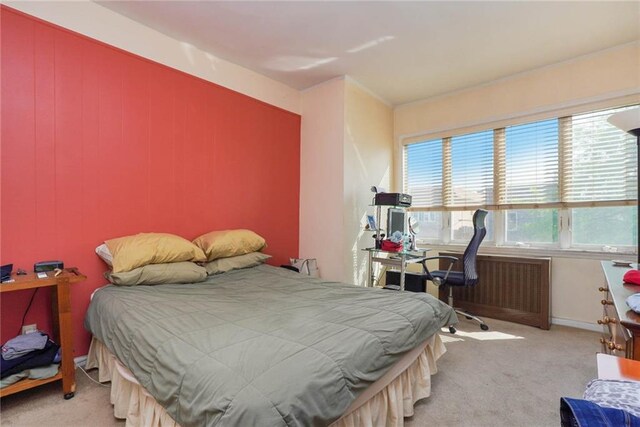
396, 221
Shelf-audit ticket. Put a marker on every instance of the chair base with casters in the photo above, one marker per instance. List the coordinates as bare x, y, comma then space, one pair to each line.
467, 315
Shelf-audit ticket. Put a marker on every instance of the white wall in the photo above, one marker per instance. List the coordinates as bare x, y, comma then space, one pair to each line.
575, 84
347, 146
322, 177
92, 20
607, 78
368, 159
574, 291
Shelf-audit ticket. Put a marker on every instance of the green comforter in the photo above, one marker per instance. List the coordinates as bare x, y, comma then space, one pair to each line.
262, 346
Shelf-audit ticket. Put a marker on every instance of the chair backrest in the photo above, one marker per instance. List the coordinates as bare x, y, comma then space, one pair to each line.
469, 257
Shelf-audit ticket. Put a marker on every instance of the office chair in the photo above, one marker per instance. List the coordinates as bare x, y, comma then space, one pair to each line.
469, 275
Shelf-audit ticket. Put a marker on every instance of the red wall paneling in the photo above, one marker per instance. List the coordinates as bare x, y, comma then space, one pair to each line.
99, 143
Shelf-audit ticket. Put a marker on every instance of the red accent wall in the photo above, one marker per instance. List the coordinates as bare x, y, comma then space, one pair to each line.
99, 143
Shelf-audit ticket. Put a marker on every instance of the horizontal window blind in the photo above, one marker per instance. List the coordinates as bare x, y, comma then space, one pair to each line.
600, 161
575, 161
531, 164
423, 173
471, 159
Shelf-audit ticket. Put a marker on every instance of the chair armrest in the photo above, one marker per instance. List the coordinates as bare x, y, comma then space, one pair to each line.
437, 281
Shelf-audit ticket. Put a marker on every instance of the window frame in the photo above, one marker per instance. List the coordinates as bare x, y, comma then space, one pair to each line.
564, 241
498, 240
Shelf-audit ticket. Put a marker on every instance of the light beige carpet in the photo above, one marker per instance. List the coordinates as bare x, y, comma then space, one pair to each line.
512, 375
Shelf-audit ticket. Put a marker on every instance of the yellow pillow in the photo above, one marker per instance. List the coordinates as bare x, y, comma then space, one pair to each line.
131, 252
227, 243
222, 265
159, 274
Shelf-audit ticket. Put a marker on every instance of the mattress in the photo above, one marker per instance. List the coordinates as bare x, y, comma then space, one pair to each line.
260, 346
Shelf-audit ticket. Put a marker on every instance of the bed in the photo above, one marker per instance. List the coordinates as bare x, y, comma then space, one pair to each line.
265, 346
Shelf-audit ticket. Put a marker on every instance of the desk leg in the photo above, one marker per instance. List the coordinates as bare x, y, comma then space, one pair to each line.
370, 270
403, 267
65, 325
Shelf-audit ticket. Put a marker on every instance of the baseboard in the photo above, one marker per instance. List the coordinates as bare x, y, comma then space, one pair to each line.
80, 361
576, 324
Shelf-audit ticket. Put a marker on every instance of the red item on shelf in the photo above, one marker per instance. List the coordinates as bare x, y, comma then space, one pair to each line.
388, 245
631, 276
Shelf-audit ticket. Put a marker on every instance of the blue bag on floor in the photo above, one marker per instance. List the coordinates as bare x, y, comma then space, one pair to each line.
583, 413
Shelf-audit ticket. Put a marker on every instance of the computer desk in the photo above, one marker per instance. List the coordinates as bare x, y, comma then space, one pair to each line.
394, 259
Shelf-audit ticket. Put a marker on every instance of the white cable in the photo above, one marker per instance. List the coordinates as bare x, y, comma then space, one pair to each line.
89, 376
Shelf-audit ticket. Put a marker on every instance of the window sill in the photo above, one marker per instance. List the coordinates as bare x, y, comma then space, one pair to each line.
538, 252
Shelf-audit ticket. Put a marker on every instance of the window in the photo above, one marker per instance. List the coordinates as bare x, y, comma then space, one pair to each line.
471, 158
423, 173
530, 226
566, 182
601, 160
531, 163
611, 226
430, 225
462, 226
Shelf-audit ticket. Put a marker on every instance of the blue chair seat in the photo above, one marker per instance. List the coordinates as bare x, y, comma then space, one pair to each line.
455, 278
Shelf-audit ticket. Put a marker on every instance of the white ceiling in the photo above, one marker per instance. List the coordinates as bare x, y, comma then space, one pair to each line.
402, 51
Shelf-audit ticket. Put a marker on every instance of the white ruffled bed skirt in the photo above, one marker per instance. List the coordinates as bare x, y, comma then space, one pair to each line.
398, 391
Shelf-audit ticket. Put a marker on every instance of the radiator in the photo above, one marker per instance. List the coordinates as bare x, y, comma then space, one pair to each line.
509, 288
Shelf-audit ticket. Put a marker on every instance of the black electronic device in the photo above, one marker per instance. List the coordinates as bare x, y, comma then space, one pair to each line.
5, 272
413, 282
392, 199
44, 266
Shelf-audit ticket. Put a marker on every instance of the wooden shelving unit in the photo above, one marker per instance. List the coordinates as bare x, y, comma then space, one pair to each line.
63, 332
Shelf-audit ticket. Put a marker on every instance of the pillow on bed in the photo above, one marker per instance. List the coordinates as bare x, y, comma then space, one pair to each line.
222, 265
229, 243
131, 252
158, 274
104, 254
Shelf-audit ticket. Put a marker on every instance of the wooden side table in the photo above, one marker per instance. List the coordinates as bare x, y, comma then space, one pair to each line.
62, 324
